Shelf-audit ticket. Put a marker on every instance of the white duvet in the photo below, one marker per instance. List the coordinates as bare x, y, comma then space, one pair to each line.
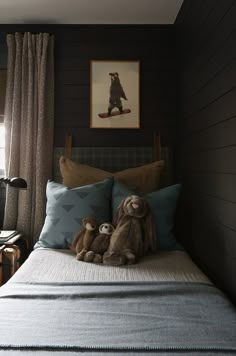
49, 265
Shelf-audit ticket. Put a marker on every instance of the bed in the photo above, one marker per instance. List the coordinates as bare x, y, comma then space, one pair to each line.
161, 305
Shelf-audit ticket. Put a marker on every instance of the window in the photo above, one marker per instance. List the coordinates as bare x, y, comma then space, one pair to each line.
2, 149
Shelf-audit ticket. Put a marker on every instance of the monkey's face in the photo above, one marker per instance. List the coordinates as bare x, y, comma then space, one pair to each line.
106, 229
90, 227
89, 223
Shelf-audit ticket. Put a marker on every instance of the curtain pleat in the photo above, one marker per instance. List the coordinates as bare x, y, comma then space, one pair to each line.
29, 120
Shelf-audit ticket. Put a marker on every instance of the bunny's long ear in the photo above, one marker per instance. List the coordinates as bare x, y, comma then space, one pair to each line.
150, 239
119, 213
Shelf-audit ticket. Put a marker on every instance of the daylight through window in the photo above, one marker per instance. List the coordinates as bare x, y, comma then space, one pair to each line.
2, 149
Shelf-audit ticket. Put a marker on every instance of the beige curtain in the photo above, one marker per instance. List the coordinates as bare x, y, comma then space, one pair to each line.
29, 119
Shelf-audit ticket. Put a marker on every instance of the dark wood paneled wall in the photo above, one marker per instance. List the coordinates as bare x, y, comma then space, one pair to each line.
76, 45
207, 134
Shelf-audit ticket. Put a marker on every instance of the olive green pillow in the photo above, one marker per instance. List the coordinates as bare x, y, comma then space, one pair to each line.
142, 180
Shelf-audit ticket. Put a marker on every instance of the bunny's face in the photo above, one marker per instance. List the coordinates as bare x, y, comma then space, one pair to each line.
135, 206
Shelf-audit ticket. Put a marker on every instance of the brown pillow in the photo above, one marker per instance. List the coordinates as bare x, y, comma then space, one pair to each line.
142, 180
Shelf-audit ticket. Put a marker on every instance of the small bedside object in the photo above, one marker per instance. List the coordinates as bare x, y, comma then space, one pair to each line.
15, 182
6, 235
8, 248
11, 254
18, 183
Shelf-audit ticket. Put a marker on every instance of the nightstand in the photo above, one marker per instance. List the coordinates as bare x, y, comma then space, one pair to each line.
13, 255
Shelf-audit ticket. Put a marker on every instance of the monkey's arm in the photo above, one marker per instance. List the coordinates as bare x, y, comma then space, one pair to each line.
75, 241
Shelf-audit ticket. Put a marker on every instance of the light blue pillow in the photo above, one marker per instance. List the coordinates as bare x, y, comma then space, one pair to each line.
67, 207
163, 204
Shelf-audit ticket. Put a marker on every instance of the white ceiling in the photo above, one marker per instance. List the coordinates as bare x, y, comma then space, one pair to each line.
89, 11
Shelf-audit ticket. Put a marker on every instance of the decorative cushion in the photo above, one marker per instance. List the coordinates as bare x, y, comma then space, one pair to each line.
141, 179
67, 207
163, 204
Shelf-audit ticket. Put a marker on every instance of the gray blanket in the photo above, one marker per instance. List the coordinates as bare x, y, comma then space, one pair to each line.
117, 318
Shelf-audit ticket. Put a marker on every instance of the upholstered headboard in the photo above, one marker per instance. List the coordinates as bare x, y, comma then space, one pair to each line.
115, 159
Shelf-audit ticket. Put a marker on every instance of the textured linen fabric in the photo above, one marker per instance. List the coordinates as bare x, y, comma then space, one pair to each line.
118, 317
163, 204
29, 121
41, 316
141, 179
67, 207
60, 266
101, 353
115, 159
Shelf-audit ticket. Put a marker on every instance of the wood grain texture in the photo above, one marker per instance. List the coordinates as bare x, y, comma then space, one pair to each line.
206, 142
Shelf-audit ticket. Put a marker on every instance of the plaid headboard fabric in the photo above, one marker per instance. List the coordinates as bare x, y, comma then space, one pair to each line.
114, 159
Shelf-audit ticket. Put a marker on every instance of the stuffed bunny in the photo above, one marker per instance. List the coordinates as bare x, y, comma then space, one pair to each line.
134, 235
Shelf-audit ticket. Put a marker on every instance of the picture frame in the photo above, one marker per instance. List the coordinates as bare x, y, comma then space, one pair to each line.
114, 94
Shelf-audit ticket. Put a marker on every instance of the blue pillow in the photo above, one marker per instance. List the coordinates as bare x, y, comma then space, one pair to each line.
163, 204
67, 207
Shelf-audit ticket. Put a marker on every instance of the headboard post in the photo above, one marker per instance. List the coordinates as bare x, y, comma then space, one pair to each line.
157, 146
68, 145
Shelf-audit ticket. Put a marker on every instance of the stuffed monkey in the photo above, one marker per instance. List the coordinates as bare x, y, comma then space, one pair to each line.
84, 238
100, 244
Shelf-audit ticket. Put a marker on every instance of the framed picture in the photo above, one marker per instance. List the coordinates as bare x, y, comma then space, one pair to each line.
114, 94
